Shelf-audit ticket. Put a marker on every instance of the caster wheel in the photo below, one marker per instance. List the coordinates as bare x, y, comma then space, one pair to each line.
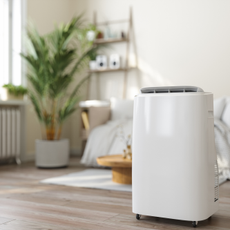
138, 217
194, 224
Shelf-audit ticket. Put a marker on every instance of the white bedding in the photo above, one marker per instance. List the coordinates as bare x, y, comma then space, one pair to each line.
103, 140
222, 141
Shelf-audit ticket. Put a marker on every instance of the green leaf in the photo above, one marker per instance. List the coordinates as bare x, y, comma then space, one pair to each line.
36, 106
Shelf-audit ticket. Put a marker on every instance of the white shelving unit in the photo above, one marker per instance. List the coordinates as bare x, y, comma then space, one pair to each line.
129, 39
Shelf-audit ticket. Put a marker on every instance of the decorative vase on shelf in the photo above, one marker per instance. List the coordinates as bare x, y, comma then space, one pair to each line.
92, 65
101, 61
91, 35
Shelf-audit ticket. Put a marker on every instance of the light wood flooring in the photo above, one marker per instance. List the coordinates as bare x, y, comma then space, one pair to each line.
26, 204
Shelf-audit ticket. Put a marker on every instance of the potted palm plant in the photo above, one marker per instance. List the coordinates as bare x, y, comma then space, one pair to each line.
53, 61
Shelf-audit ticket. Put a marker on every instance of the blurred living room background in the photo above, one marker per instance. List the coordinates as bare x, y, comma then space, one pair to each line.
69, 73
170, 51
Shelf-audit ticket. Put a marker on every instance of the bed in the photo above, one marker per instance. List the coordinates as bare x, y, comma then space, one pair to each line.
104, 139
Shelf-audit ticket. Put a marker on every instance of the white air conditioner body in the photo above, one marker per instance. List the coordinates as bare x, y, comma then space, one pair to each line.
174, 172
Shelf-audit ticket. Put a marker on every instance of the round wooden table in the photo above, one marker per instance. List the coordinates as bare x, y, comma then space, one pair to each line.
121, 168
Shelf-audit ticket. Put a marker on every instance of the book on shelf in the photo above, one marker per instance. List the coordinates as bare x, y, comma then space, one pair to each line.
85, 120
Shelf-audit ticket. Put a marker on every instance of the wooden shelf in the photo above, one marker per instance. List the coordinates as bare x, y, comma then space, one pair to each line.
110, 40
112, 22
111, 70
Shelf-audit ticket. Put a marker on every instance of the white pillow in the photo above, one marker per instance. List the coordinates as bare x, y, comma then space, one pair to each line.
226, 115
219, 105
121, 109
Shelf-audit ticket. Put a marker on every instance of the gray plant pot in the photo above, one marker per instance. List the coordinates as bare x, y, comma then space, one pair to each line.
52, 154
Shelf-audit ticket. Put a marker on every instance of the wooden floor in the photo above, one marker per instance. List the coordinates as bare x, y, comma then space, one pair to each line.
25, 204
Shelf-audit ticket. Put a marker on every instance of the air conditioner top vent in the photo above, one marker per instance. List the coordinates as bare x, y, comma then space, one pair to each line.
171, 89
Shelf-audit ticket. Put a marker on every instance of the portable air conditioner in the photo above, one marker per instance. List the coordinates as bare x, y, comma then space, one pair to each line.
174, 171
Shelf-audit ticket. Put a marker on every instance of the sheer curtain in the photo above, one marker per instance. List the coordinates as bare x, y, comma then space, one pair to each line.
11, 27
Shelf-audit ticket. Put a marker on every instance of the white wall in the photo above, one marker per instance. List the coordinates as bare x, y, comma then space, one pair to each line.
46, 13
179, 42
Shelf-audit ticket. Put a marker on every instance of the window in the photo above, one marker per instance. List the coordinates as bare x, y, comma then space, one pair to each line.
11, 27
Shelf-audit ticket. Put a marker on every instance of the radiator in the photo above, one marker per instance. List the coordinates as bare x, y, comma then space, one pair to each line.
10, 133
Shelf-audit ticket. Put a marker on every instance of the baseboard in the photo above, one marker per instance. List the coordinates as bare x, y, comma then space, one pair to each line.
75, 152
28, 157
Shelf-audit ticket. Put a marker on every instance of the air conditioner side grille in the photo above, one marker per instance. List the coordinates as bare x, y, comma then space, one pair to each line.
216, 188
